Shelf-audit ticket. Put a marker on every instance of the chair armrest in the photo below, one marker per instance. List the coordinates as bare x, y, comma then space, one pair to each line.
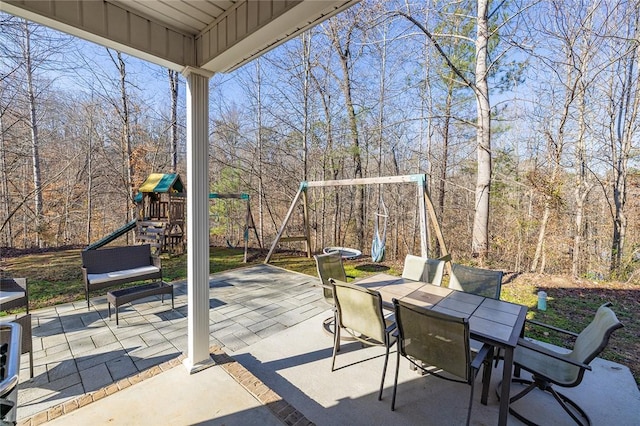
323, 285
550, 327
391, 327
445, 258
481, 356
541, 349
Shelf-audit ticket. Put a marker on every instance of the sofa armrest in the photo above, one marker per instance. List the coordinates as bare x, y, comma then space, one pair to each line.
17, 286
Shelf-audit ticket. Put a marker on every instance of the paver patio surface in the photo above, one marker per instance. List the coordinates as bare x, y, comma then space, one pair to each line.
272, 365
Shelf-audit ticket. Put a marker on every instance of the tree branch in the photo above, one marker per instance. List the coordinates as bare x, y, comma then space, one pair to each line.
437, 46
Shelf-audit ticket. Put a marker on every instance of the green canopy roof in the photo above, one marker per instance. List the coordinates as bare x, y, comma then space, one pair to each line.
161, 183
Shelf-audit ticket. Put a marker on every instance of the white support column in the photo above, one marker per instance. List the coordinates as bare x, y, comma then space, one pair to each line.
197, 220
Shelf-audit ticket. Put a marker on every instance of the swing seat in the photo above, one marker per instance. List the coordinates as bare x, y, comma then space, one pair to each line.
378, 243
345, 252
377, 249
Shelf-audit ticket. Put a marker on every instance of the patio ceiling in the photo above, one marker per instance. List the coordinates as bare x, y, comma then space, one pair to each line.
213, 35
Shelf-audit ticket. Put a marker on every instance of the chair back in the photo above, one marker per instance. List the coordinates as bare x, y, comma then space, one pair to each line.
329, 266
434, 271
413, 267
435, 338
423, 269
595, 337
483, 282
360, 310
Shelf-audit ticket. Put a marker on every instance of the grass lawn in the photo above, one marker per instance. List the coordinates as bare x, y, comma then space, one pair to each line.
55, 277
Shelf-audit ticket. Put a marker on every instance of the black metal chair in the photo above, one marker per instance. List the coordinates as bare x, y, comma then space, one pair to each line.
550, 368
329, 266
483, 282
479, 281
424, 269
435, 339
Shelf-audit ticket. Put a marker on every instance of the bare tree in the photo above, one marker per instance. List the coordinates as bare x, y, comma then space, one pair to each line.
33, 125
480, 87
126, 144
343, 33
624, 125
259, 149
174, 84
570, 46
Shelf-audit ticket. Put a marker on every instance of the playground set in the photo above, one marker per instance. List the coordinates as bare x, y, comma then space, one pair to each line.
161, 216
161, 212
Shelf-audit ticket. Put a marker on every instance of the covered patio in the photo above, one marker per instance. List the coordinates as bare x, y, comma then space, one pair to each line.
258, 329
272, 365
197, 38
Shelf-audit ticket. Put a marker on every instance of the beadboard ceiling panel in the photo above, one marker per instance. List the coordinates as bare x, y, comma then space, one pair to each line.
216, 36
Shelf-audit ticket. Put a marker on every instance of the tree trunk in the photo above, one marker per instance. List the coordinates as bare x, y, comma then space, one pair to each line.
6, 199
541, 237
88, 235
480, 243
622, 147
582, 186
330, 156
126, 140
259, 148
306, 60
445, 152
344, 55
35, 140
174, 88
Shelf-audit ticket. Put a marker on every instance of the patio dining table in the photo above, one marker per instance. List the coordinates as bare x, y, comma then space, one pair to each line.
491, 321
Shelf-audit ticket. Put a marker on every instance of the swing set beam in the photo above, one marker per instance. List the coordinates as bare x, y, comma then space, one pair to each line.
426, 206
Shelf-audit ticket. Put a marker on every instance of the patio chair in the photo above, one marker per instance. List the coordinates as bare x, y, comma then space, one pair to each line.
483, 282
329, 266
549, 367
439, 341
424, 269
359, 313
19, 287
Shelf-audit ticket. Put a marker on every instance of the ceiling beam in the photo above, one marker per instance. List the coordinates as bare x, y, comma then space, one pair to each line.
256, 26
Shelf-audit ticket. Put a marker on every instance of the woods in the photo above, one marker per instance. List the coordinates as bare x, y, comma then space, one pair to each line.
524, 115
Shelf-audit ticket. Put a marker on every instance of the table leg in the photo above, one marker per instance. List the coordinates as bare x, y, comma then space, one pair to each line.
486, 376
507, 367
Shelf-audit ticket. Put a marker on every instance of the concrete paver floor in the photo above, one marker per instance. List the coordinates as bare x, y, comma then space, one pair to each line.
77, 351
269, 321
